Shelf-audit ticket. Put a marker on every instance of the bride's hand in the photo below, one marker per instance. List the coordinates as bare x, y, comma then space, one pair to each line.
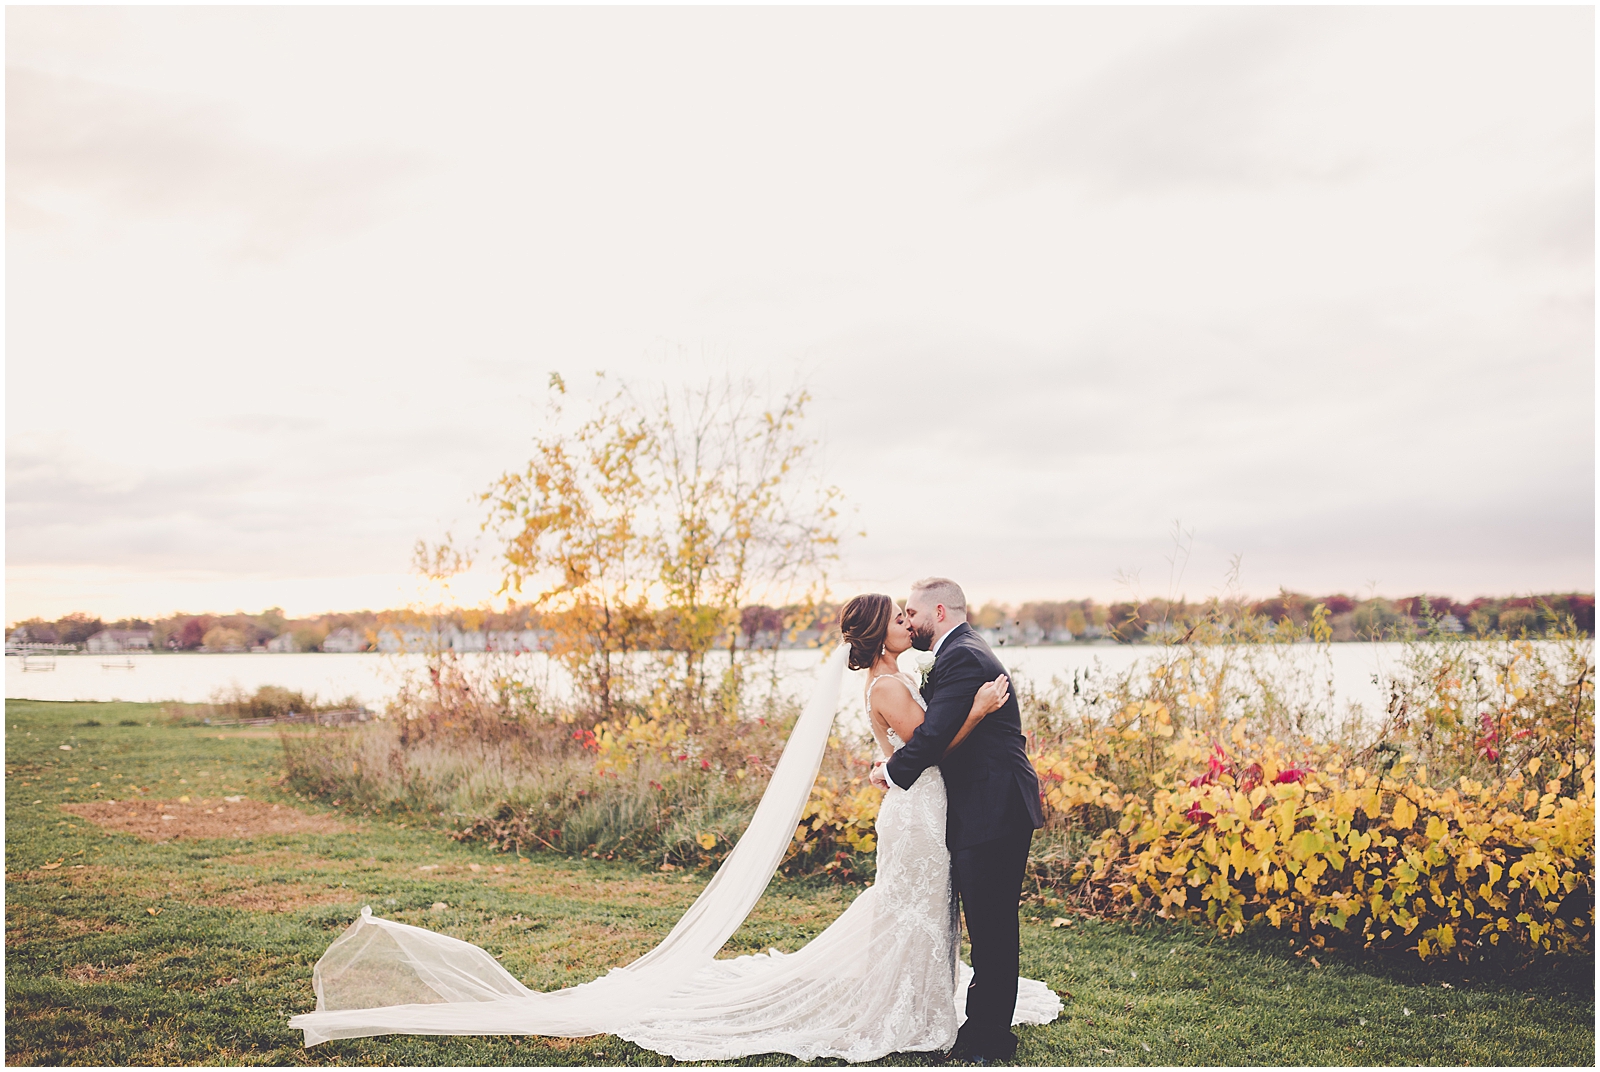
992, 695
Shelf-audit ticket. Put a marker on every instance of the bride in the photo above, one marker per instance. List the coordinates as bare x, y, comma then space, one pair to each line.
883, 978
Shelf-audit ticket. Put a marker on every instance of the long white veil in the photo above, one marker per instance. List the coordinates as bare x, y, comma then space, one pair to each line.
381, 977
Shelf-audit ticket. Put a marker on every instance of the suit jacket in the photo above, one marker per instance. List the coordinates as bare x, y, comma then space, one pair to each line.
990, 781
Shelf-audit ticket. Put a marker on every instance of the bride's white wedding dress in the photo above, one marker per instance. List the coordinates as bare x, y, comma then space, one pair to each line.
882, 978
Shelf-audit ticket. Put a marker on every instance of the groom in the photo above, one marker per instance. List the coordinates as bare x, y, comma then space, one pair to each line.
993, 805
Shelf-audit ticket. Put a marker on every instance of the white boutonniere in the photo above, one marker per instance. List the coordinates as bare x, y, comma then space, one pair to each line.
924, 668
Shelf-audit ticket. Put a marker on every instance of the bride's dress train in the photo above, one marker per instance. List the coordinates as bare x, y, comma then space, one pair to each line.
882, 978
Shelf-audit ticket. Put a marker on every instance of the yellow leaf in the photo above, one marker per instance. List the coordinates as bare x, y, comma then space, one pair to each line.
1405, 813
1534, 765
707, 841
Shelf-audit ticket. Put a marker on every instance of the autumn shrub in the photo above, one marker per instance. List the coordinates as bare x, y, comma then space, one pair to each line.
1206, 784
1389, 861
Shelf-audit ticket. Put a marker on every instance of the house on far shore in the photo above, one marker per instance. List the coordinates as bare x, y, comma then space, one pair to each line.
1450, 624
117, 641
449, 638
411, 638
344, 641
282, 643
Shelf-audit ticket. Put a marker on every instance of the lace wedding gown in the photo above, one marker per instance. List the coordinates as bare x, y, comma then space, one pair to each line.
882, 978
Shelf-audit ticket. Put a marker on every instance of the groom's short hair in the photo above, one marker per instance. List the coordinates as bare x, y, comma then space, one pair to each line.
943, 590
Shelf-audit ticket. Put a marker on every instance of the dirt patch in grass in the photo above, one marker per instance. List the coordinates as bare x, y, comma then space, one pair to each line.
169, 820
100, 973
281, 897
154, 888
25, 925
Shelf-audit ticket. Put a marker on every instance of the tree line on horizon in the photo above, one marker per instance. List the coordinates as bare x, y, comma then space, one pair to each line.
1036, 621
1349, 617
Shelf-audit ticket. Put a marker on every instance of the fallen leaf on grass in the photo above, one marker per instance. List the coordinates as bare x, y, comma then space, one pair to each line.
1128, 1007
1447, 986
440, 906
1059, 922
1315, 963
1405, 1010
474, 867
233, 800
153, 911
428, 867
1146, 1046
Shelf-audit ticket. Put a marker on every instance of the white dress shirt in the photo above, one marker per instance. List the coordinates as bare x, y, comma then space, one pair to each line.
935, 653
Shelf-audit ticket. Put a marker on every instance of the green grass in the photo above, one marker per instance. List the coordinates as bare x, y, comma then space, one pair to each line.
93, 977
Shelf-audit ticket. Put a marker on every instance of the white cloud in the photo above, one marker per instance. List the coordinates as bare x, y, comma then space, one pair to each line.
133, 153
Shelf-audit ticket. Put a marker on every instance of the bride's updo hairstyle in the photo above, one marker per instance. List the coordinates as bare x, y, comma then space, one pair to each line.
864, 623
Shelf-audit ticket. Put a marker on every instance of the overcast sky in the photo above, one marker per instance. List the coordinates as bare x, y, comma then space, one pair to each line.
285, 286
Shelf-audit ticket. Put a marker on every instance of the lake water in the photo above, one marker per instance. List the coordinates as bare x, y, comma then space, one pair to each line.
374, 678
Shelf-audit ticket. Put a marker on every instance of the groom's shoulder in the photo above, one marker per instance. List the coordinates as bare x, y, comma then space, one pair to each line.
966, 644
968, 640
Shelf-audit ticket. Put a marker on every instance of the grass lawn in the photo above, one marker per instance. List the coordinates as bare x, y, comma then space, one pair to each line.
195, 950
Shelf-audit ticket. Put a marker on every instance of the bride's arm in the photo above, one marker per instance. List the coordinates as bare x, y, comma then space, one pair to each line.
991, 697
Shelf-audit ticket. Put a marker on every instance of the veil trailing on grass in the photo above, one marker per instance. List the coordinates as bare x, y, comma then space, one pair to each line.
380, 977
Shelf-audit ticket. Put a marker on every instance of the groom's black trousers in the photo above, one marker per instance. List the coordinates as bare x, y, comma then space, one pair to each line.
988, 879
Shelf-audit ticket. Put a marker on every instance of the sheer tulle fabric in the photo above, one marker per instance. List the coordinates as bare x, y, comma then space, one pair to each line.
883, 978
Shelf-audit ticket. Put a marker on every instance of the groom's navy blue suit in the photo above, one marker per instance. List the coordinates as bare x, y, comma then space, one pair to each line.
993, 811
